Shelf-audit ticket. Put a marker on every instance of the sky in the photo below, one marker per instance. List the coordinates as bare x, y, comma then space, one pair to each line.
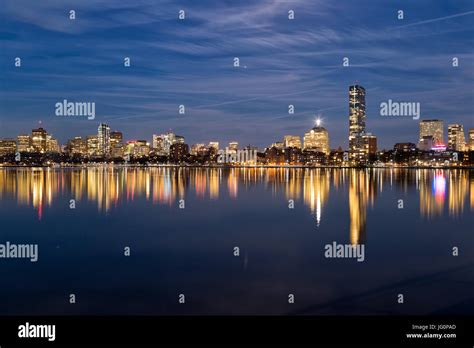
191, 62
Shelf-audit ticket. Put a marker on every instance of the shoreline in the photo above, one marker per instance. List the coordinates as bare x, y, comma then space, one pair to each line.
107, 165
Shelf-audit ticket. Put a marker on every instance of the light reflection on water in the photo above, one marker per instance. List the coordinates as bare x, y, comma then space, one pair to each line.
407, 250
107, 187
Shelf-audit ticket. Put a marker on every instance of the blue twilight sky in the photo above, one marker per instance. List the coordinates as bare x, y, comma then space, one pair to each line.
190, 62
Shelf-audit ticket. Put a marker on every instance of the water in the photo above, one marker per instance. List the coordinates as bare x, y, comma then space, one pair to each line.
190, 251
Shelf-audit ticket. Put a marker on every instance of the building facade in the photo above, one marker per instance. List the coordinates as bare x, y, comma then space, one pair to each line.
456, 139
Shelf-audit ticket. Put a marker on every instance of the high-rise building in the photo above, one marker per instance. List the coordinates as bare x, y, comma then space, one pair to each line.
178, 152
456, 139
162, 143
356, 120
92, 145
103, 136
292, 141
116, 139
433, 128
370, 144
52, 144
116, 144
7, 146
137, 148
158, 142
317, 139
38, 140
77, 146
198, 149
471, 139
24, 143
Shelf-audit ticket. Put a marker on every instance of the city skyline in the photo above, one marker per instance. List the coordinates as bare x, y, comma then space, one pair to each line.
431, 136
190, 63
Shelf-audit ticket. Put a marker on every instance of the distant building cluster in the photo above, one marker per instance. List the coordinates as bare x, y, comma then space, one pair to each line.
109, 146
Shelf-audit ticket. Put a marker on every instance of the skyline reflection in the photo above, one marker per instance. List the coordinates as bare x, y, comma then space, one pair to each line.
109, 187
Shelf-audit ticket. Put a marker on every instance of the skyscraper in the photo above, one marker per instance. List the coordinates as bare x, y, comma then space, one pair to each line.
92, 145
317, 139
103, 136
116, 144
356, 119
433, 128
169, 139
370, 144
456, 140
38, 140
52, 144
77, 146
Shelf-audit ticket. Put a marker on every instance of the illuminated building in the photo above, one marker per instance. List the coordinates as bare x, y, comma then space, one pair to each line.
214, 144
317, 139
293, 155
7, 146
77, 146
167, 141
471, 139
116, 144
292, 141
24, 143
426, 143
38, 140
137, 148
198, 149
103, 136
52, 144
370, 144
178, 152
158, 144
92, 145
432, 128
279, 145
456, 140
233, 146
356, 120
404, 147
274, 156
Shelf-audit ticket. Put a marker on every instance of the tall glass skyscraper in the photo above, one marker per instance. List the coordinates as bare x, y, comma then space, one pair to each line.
356, 118
103, 135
